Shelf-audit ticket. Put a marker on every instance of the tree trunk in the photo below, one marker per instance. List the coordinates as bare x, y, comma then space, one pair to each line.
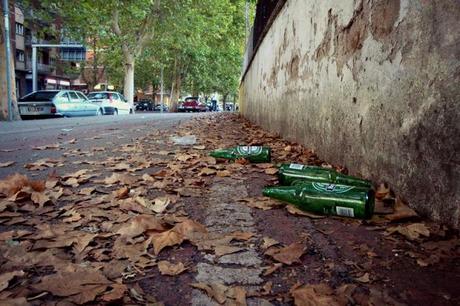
176, 86
224, 99
3, 85
129, 79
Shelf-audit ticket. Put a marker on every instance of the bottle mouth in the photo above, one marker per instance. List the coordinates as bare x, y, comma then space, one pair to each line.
370, 204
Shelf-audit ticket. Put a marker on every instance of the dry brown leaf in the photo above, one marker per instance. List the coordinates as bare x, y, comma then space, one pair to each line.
73, 216
270, 270
224, 173
264, 203
7, 164
269, 242
72, 182
82, 241
401, 212
314, 295
46, 147
165, 239
207, 171
287, 255
411, 232
160, 204
118, 291
12, 184
200, 147
121, 193
148, 178
363, 278
6, 277
297, 212
242, 236
215, 291
168, 268
222, 250
80, 286
271, 171
40, 198
140, 224
87, 191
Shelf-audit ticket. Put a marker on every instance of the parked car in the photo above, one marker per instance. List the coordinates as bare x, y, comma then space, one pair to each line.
192, 104
158, 108
111, 102
56, 103
144, 105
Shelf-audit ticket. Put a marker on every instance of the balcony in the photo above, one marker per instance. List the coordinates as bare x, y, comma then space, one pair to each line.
41, 68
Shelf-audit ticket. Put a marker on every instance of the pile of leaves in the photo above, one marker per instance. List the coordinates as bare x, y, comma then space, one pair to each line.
91, 235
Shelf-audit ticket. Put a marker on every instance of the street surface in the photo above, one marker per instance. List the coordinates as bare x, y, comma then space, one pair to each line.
22, 136
128, 216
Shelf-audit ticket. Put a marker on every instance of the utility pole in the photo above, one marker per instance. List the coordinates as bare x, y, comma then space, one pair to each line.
8, 59
161, 89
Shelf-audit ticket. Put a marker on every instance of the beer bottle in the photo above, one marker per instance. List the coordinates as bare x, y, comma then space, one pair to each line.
254, 154
326, 199
291, 172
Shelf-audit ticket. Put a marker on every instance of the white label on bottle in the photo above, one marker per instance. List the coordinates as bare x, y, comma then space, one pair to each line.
296, 166
249, 150
345, 211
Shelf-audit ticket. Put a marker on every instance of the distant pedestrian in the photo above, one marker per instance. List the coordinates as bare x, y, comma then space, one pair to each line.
214, 103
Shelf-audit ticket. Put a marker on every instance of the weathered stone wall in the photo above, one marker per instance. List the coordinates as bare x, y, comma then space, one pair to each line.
373, 85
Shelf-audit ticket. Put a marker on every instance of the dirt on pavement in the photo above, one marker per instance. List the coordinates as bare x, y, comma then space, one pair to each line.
151, 222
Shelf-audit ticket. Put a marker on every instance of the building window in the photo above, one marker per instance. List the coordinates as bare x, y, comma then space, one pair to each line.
19, 29
20, 56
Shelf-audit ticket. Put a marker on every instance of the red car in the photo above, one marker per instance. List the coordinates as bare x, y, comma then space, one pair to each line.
192, 104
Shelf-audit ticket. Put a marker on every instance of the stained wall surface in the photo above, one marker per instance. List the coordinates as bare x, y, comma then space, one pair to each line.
373, 85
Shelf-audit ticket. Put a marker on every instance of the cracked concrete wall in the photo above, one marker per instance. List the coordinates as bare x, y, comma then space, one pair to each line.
370, 84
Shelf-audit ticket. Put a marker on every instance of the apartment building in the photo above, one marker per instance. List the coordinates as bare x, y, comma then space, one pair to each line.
26, 31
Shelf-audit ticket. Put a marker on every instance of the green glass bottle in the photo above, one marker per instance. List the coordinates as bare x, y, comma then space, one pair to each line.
254, 154
292, 172
326, 199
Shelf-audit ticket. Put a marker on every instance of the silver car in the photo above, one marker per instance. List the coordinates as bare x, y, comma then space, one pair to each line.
57, 103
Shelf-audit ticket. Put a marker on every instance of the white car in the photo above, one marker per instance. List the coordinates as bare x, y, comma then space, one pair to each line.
111, 102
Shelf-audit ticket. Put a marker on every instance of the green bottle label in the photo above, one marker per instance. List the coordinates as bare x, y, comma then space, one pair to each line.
331, 188
345, 211
296, 166
249, 150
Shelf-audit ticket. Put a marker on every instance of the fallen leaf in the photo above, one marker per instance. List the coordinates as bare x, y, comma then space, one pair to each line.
121, 193
165, 239
87, 191
215, 291
206, 172
148, 178
411, 232
221, 250
269, 242
200, 147
224, 173
287, 255
6, 277
7, 164
297, 212
168, 268
270, 270
40, 198
160, 204
314, 295
12, 184
271, 171
80, 286
139, 225
401, 212
118, 291
363, 278
264, 203
46, 147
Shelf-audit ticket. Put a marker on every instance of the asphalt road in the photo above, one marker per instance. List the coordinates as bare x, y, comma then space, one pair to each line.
18, 139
